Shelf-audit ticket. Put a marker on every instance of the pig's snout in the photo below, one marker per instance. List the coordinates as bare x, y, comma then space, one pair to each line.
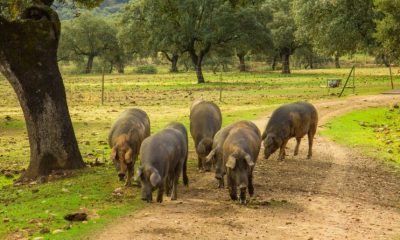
121, 176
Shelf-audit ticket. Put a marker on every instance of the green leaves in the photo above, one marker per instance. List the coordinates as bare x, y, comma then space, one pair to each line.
388, 27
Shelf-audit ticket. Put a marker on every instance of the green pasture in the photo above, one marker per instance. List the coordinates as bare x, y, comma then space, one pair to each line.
26, 210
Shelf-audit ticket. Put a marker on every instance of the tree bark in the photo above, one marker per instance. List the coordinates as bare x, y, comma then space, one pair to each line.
89, 64
111, 68
197, 62
285, 63
28, 59
337, 61
242, 64
174, 63
273, 66
199, 73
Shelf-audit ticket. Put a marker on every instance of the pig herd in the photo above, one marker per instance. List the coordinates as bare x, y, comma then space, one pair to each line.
231, 151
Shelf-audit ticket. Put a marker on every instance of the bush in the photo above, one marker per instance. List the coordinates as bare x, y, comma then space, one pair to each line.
146, 69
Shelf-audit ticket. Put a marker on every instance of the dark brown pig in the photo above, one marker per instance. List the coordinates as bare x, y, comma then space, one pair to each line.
205, 121
125, 137
215, 156
240, 152
288, 121
163, 158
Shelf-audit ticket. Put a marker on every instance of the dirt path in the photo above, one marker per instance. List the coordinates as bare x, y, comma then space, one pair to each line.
339, 194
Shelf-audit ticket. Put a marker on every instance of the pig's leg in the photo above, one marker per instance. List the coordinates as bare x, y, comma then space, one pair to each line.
243, 195
174, 182
168, 186
160, 192
174, 194
128, 182
250, 186
282, 151
200, 164
296, 150
232, 188
310, 144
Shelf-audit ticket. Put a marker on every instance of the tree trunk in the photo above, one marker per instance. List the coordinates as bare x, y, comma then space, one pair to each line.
285, 64
199, 73
174, 63
311, 62
242, 64
120, 66
197, 62
28, 59
337, 61
273, 66
89, 64
111, 68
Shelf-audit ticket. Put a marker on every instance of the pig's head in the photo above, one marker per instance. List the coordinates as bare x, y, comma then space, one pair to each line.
271, 144
239, 165
122, 155
150, 180
203, 149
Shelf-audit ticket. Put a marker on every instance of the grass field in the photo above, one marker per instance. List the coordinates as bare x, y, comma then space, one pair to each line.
25, 210
375, 131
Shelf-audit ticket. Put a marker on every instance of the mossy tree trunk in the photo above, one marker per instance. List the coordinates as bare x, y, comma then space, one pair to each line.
28, 59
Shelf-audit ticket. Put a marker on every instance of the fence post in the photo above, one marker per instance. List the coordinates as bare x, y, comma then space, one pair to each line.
102, 87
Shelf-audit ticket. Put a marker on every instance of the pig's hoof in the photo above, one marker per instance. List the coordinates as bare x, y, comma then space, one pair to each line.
243, 201
309, 156
159, 200
234, 198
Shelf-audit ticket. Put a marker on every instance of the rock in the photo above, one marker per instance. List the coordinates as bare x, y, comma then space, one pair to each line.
35, 190
8, 174
77, 217
389, 142
38, 238
390, 151
44, 230
6, 220
396, 106
67, 227
8, 118
65, 190
362, 124
57, 231
118, 192
86, 143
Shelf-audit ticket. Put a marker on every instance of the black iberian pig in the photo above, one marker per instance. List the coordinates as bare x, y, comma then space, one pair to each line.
240, 152
288, 121
163, 158
205, 121
125, 137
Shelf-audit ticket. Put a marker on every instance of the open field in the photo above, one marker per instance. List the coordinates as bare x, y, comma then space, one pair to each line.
375, 131
166, 97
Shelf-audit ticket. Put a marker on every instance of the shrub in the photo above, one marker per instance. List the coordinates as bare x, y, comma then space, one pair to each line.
146, 69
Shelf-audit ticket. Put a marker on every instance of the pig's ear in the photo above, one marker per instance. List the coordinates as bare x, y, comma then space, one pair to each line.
248, 160
231, 163
113, 155
128, 156
211, 155
155, 179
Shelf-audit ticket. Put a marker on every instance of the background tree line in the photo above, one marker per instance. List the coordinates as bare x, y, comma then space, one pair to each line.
194, 33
